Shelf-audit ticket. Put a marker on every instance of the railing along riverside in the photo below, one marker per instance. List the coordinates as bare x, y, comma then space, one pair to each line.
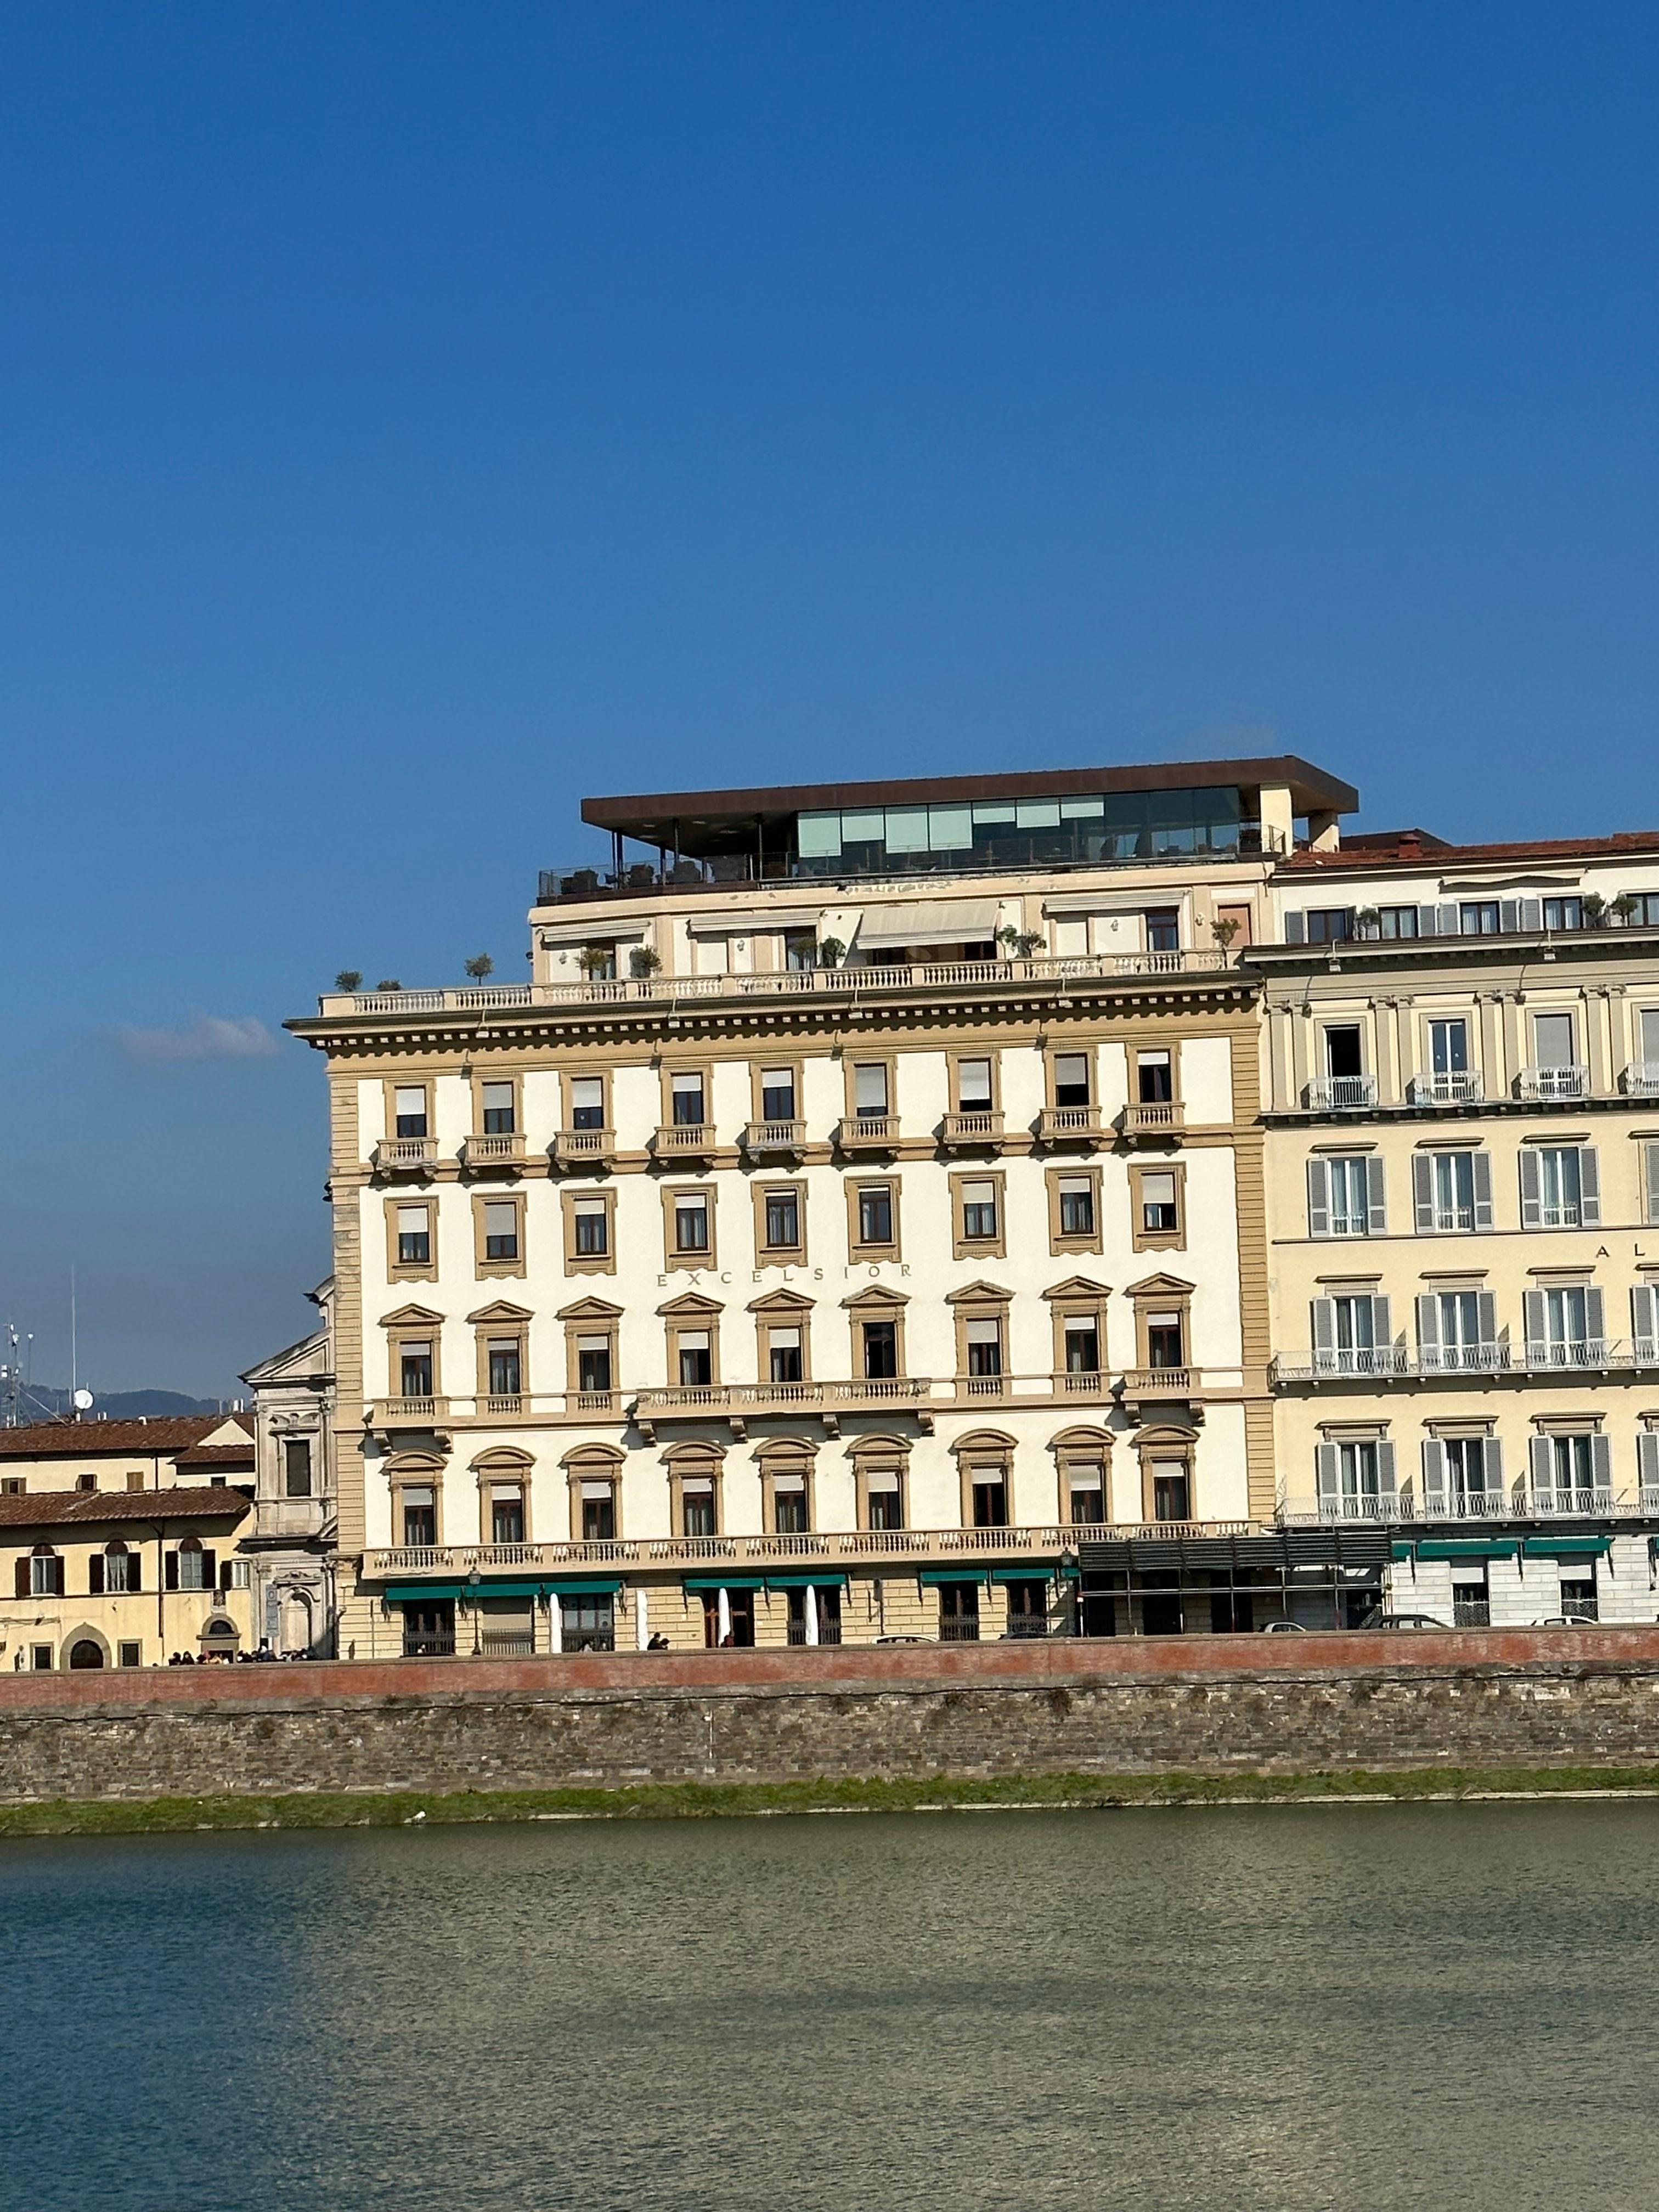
846, 981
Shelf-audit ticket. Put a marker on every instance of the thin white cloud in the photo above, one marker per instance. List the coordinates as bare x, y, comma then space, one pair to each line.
210, 1036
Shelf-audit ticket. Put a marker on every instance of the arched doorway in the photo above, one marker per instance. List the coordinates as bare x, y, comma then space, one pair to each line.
296, 1621
86, 1653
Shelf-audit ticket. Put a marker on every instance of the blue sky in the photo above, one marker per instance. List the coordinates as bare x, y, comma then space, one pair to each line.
414, 418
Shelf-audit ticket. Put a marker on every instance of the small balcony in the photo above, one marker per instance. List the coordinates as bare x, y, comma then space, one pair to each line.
1069, 1125
1150, 1120
1159, 1382
1464, 1358
410, 1156
685, 1140
602, 1403
410, 1412
506, 1404
1552, 1086
584, 1148
1569, 1501
982, 1386
867, 1132
1588, 1355
977, 1129
1465, 1088
1642, 1079
764, 1140
493, 1155
1356, 1362
1340, 1094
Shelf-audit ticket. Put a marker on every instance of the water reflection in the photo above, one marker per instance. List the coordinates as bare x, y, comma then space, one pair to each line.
1398, 2006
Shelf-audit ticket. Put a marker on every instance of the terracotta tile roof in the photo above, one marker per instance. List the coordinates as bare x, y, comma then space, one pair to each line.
86, 1439
57, 1509
219, 1456
1406, 846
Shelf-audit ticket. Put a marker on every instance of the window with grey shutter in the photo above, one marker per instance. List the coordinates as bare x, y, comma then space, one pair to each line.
1647, 1466
1423, 1192
1385, 1467
1319, 1198
1446, 921
1324, 1334
1644, 1322
1434, 1475
1425, 921
1650, 1180
1602, 1461
1483, 1190
1538, 1328
1428, 1330
1553, 1040
1486, 1307
1296, 929
1541, 1460
1382, 1329
1596, 1322
1532, 1194
1493, 1464
1327, 1474
1589, 1186
1376, 1212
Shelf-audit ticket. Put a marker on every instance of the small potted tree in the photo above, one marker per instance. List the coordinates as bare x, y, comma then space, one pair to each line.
480, 966
831, 952
1224, 929
1368, 921
1594, 910
348, 979
1624, 907
644, 961
597, 961
388, 983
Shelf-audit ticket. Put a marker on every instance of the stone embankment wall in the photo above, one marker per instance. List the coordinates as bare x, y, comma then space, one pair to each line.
1212, 1704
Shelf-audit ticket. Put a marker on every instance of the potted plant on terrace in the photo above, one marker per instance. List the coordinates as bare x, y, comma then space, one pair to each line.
1224, 930
1594, 910
479, 966
1368, 921
831, 952
348, 979
1624, 907
644, 960
596, 960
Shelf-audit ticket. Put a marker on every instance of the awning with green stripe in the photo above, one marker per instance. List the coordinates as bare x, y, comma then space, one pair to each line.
504, 1590
1035, 1571
422, 1593
940, 1577
1461, 1547
595, 1586
1567, 1547
724, 1582
805, 1582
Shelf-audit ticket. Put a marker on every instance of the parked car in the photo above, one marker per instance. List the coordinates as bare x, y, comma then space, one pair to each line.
1567, 1621
1380, 1619
1282, 1628
900, 1640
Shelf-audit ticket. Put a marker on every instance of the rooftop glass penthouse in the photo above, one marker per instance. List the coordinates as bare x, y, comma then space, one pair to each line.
1057, 819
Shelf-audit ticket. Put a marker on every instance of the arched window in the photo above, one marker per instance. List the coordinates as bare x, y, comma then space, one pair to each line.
40, 1575
115, 1569
191, 1567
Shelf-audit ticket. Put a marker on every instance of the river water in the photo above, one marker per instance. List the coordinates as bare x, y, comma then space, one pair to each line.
1436, 2005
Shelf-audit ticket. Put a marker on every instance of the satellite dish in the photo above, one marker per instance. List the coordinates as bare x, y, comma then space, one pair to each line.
84, 1401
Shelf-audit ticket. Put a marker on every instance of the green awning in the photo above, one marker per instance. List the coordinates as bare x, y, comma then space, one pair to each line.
599, 1586
1038, 1570
476, 1590
422, 1593
724, 1582
805, 1581
1567, 1547
940, 1577
1465, 1548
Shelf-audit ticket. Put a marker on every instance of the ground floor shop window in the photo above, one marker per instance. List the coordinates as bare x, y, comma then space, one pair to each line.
737, 1632
958, 1612
826, 1615
1578, 1596
430, 1629
506, 1626
1471, 1604
1160, 1604
1028, 1608
1232, 1611
587, 1623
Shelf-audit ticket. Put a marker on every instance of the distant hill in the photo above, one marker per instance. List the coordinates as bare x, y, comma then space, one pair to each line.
43, 1403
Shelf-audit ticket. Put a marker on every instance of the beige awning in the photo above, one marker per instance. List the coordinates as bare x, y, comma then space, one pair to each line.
929, 921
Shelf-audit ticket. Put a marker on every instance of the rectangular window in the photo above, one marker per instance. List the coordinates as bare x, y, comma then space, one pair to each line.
1479, 918
875, 1204
1449, 1047
778, 1094
685, 1092
973, 1086
1454, 1190
783, 1353
1329, 925
988, 1487
414, 1237
500, 1229
1397, 921
599, 1503
886, 1498
979, 1210
587, 1102
691, 1222
1160, 1212
502, 1356
870, 1090
698, 1506
296, 1466
592, 1228
1071, 1079
1560, 1186
1171, 1491
789, 1505
1163, 929
1648, 1032
409, 1104
120, 1572
420, 1518
1563, 913
880, 1350
1553, 1040
500, 1112
1166, 1339
130, 1655
1077, 1206
1350, 1196
193, 1568
783, 1220
1154, 1079
506, 1513
984, 1340
415, 1369
1086, 1484
696, 1367
1082, 1334
1354, 1328
800, 950
1344, 1054
594, 1363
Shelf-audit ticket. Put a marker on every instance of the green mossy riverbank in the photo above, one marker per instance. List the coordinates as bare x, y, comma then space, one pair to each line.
710, 1801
